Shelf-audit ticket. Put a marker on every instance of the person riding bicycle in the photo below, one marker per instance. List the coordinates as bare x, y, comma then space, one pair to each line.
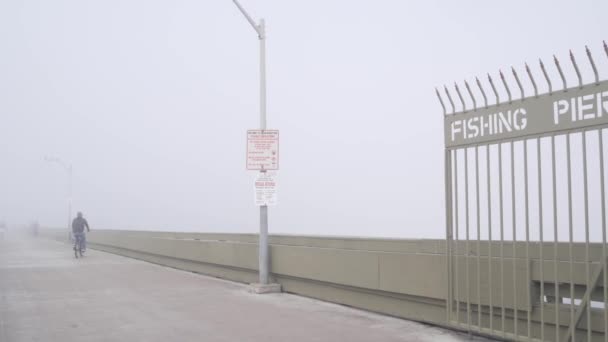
78, 226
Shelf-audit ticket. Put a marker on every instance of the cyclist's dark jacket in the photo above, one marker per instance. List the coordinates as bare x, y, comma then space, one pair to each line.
78, 225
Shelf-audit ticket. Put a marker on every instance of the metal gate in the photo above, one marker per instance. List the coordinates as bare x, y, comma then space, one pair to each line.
526, 207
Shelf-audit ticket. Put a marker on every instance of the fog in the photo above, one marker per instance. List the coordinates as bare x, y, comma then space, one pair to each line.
150, 101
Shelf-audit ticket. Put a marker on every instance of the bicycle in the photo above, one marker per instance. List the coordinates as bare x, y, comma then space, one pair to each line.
78, 244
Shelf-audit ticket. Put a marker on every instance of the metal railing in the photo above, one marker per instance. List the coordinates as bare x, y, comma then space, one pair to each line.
526, 209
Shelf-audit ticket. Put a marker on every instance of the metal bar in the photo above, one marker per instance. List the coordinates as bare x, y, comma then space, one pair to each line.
466, 252
483, 93
586, 203
513, 222
561, 73
440, 101
246, 15
471, 94
508, 336
585, 302
533, 135
494, 89
263, 252
504, 82
489, 236
502, 247
263, 243
70, 199
570, 234
263, 249
262, 39
604, 251
448, 227
578, 72
555, 237
540, 230
456, 245
521, 89
464, 106
542, 67
478, 237
597, 76
527, 212
606, 48
532, 80
447, 92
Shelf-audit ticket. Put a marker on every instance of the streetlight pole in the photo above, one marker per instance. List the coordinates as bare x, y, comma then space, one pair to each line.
70, 182
68, 168
263, 249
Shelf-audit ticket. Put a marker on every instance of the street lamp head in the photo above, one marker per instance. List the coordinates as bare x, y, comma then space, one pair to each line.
66, 166
259, 29
52, 159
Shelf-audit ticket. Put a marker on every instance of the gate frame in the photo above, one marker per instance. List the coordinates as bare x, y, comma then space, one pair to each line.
538, 131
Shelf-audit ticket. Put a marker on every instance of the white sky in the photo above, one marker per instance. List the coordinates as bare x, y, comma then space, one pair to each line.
150, 102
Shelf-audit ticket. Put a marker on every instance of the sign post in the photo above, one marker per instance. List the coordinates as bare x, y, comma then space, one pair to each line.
263, 286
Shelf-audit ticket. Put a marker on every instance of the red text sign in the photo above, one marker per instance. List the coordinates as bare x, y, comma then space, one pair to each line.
262, 149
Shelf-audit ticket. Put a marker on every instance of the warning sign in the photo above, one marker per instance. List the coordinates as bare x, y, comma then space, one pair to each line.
262, 150
265, 189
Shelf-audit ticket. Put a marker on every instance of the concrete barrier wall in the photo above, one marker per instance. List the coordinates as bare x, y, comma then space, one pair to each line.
404, 278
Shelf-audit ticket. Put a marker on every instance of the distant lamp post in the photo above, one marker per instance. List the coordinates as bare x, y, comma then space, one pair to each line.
68, 169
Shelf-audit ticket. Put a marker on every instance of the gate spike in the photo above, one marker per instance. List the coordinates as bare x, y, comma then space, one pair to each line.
578, 73
532, 80
440, 101
447, 92
483, 93
561, 73
542, 67
471, 94
494, 89
606, 48
521, 89
597, 77
504, 82
464, 106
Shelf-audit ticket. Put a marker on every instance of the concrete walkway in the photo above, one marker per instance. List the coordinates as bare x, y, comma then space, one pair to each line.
47, 295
